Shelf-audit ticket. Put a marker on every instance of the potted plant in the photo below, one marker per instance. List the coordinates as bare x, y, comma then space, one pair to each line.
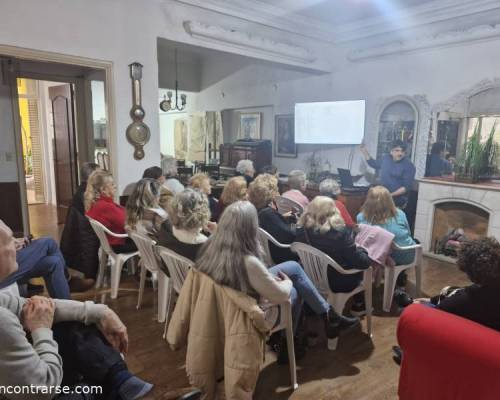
478, 161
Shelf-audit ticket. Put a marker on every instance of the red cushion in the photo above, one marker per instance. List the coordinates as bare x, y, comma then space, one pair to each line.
447, 357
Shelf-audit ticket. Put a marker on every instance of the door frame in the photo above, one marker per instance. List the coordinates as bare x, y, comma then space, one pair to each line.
46, 56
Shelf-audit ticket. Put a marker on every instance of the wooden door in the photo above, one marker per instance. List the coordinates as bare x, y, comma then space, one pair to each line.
65, 152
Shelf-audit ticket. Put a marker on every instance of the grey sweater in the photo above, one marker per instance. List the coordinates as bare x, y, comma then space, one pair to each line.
39, 364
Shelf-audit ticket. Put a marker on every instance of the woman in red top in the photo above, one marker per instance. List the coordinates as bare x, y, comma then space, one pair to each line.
99, 205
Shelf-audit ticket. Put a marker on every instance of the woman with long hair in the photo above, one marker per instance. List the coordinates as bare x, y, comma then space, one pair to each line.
144, 213
322, 227
379, 209
99, 205
188, 215
235, 190
233, 257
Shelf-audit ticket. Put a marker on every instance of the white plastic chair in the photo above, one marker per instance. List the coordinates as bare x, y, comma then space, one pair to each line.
106, 252
391, 274
149, 262
316, 264
264, 239
285, 205
178, 268
285, 310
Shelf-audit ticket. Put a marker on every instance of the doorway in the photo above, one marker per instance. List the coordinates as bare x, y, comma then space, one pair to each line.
59, 121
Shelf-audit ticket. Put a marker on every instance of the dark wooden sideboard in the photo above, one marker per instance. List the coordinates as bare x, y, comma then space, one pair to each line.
259, 151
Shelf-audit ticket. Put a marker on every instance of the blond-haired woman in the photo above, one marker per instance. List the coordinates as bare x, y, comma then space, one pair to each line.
144, 213
262, 192
201, 182
379, 209
99, 205
188, 215
322, 227
235, 190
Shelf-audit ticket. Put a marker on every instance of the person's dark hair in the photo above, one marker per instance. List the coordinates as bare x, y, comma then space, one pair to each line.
86, 169
269, 169
480, 260
398, 143
437, 148
152, 173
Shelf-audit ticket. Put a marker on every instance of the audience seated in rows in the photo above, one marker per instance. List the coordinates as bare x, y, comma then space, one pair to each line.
322, 227
201, 182
245, 169
79, 243
72, 343
144, 213
233, 257
189, 214
297, 184
99, 205
169, 168
262, 192
330, 188
235, 190
379, 209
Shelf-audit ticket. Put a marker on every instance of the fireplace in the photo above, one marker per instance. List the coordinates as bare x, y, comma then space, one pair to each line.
455, 222
444, 205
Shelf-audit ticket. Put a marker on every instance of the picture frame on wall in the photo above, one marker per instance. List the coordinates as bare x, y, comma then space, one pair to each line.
284, 136
250, 126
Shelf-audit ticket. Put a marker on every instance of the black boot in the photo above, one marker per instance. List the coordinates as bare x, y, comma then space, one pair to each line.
341, 322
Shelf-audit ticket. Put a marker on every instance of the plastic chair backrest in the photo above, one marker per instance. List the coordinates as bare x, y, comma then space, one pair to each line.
145, 245
178, 266
316, 263
285, 205
100, 230
264, 239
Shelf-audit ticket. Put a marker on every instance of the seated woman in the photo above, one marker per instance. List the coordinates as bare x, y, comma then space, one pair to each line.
201, 182
143, 211
99, 205
235, 190
71, 342
330, 188
245, 169
261, 193
188, 215
379, 209
297, 183
169, 167
322, 227
436, 164
233, 257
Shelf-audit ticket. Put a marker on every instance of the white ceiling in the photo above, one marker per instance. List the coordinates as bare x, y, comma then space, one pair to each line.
345, 11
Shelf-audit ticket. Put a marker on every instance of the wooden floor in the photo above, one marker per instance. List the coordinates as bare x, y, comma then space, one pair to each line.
360, 369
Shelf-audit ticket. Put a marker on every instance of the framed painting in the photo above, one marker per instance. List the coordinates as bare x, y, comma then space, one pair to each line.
249, 126
284, 136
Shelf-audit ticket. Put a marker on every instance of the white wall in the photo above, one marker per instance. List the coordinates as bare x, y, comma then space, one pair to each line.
437, 74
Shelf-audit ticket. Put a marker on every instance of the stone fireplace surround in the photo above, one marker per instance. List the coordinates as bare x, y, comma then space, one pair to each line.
434, 191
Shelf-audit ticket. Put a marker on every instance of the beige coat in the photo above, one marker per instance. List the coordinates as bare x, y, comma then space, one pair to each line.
225, 332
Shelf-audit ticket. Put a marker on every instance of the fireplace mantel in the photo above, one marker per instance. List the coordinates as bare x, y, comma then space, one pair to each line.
434, 191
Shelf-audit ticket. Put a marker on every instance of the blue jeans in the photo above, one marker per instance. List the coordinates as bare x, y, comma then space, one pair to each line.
303, 290
42, 258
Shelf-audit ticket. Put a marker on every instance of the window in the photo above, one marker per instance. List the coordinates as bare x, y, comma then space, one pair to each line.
397, 122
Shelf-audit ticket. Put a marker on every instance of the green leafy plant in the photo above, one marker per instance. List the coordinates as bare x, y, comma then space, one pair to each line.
478, 160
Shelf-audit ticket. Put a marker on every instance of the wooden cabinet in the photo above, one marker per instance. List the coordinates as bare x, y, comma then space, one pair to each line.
259, 151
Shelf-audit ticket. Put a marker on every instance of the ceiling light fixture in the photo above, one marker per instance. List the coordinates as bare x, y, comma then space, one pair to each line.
167, 105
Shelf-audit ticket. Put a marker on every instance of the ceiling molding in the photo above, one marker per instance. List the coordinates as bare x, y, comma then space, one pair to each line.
249, 42
258, 11
443, 39
268, 15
